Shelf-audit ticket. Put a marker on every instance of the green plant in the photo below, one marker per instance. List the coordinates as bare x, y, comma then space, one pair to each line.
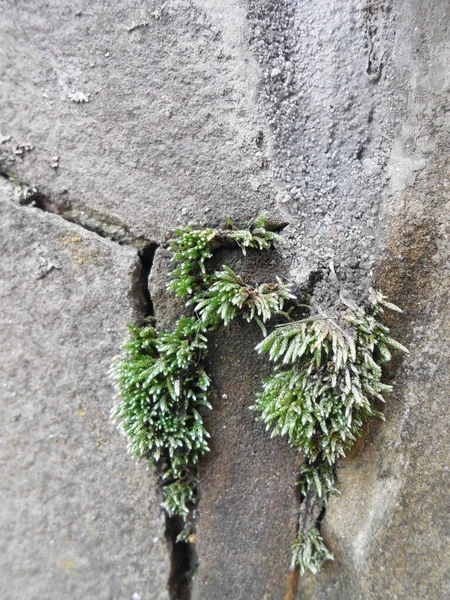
326, 383
229, 296
309, 551
162, 387
326, 380
159, 375
179, 495
193, 247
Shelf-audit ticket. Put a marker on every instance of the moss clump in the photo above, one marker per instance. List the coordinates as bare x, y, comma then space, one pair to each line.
160, 376
327, 377
326, 383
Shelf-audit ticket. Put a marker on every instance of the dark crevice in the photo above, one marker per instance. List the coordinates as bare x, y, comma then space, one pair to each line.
183, 560
310, 513
91, 220
182, 555
139, 289
147, 256
180, 538
360, 153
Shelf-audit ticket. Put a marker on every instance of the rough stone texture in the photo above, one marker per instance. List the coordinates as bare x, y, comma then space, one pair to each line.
331, 114
78, 518
389, 528
333, 130
170, 128
171, 132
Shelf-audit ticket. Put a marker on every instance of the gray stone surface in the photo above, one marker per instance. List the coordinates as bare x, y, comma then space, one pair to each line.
390, 527
329, 119
78, 518
170, 129
141, 115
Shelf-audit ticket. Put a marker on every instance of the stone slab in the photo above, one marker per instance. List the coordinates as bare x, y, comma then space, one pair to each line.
248, 499
78, 518
146, 110
390, 527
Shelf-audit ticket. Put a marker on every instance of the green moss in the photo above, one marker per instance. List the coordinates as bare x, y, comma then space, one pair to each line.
309, 551
326, 380
160, 376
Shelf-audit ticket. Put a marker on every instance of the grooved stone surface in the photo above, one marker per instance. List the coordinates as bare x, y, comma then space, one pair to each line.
78, 519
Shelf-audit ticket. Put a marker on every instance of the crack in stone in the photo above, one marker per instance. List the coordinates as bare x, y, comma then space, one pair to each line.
183, 558
91, 220
183, 561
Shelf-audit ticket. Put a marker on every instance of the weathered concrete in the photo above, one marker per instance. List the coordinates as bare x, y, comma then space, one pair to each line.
144, 115
170, 129
78, 518
390, 528
333, 130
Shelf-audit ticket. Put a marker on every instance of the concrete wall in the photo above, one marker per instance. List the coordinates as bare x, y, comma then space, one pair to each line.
130, 118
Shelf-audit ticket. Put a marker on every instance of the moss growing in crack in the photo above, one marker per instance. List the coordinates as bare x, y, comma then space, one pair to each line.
162, 387
318, 477
179, 495
326, 381
309, 551
193, 247
229, 296
159, 375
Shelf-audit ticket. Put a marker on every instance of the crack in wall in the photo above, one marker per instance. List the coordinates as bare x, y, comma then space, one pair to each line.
183, 560
182, 555
91, 220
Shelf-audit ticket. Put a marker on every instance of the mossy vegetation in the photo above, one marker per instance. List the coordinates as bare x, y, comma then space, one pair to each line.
326, 380
160, 376
326, 383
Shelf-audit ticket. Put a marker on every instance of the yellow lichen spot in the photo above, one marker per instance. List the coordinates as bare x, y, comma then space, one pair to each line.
79, 259
81, 251
81, 412
69, 238
66, 565
99, 442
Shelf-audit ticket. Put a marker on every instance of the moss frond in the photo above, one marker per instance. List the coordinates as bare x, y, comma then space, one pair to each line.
229, 296
159, 375
309, 551
179, 496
